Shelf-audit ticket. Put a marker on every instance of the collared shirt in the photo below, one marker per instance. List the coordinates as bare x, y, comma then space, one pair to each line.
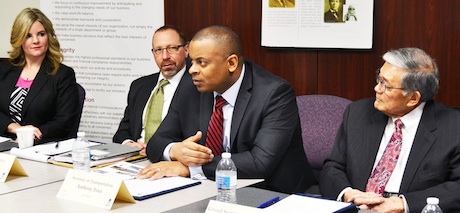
230, 95
169, 90
411, 121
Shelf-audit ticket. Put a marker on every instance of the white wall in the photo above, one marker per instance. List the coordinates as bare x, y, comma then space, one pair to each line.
8, 11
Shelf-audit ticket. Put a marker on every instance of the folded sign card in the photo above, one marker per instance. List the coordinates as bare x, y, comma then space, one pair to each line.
9, 164
93, 189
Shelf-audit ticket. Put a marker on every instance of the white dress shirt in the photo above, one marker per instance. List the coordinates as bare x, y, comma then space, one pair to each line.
411, 121
230, 95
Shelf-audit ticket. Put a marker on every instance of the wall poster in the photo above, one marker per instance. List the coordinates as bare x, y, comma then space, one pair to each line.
343, 24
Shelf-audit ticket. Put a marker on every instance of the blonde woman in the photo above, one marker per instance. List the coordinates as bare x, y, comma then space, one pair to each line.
36, 89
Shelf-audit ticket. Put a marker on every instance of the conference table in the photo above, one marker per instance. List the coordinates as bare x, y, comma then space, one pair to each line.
37, 193
38, 174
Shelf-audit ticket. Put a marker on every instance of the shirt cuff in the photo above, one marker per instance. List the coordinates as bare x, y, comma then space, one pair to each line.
196, 173
406, 207
127, 141
166, 152
340, 197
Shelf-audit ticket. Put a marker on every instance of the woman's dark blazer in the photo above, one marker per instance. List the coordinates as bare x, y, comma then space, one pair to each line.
51, 104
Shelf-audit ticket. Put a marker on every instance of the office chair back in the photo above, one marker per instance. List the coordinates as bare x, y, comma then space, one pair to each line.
81, 101
320, 118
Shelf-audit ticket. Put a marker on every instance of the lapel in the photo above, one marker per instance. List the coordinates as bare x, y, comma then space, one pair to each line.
144, 94
371, 141
10, 78
242, 101
40, 80
423, 141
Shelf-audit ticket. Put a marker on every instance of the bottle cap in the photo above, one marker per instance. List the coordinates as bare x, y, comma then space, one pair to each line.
432, 200
226, 155
80, 134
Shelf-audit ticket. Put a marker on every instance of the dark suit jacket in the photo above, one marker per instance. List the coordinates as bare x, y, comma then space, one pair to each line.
433, 167
51, 104
131, 125
265, 136
329, 17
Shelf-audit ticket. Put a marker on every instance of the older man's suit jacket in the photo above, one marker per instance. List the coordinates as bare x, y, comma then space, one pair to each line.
131, 125
329, 17
51, 103
265, 133
433, 167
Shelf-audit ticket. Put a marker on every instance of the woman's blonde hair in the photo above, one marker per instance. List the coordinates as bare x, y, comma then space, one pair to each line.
19, 32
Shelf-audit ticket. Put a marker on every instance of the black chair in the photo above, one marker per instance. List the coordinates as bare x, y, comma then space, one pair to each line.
81, 101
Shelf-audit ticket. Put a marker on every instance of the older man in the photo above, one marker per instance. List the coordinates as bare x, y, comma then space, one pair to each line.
395, 150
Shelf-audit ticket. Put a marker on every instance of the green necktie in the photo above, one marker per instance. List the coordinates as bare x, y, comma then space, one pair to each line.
152, 118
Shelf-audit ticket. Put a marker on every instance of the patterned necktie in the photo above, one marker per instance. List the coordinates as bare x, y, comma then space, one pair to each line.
152, 118
216, 127
387, 163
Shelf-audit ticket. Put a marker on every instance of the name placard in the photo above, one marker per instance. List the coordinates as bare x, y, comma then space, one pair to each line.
219, 207
93, 189
9, 164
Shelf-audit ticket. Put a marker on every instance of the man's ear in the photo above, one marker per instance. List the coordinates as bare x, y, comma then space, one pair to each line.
232, 62
186, 50
414, 99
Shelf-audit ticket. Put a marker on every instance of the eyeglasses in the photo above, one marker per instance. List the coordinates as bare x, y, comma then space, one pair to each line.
170, 49
382, 84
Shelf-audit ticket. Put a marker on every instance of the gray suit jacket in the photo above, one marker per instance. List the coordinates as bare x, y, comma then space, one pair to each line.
265, 135
433, 167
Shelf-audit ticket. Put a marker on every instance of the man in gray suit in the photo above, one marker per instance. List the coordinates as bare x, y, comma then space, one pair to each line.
394, 169
261, 125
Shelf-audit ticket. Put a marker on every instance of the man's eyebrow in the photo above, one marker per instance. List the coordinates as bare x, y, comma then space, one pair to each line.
198, 58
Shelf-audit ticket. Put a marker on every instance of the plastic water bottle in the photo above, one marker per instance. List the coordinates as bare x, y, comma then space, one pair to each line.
81, 153
432, 206
226, 178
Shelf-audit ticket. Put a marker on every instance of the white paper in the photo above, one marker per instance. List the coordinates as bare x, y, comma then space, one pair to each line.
122, 170
67, 158
293, 203
51, 149
45, 152
3, 139
219, 207
137, 187
29, 154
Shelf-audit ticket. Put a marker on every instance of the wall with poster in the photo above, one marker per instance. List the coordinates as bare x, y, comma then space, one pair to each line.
108, 43
318, 24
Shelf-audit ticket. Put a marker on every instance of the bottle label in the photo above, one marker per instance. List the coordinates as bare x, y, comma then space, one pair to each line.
226, 182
